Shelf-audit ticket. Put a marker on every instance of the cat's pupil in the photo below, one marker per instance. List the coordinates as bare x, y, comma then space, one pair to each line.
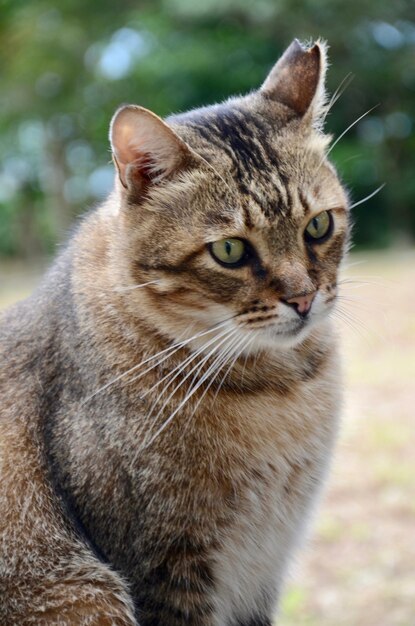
315, 222
228, 247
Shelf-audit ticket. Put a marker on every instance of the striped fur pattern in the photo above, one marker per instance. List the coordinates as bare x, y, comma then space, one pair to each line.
166, 421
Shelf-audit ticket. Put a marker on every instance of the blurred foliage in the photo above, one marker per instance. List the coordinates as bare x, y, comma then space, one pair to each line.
65, 67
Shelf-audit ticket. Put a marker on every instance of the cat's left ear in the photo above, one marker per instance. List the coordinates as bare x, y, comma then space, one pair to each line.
145, 149
297, 79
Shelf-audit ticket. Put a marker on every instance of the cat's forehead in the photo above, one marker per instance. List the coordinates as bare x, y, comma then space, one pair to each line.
276, 169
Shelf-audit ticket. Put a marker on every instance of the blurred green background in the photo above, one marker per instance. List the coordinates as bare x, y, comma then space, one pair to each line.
66, 66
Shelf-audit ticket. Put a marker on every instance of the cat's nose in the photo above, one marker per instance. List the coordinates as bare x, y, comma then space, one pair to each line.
302, 303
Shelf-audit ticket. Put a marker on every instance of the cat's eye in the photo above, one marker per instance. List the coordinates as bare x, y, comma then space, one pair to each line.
319, 227
230, 252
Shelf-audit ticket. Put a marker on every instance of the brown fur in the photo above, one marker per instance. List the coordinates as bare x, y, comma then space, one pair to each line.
135, 492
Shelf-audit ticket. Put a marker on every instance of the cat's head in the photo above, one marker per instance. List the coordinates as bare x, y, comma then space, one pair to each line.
232, 212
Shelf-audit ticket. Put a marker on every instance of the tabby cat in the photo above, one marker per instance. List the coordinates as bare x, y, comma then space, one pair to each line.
170, 393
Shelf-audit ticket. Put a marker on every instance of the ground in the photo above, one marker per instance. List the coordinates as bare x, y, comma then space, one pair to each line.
358, 567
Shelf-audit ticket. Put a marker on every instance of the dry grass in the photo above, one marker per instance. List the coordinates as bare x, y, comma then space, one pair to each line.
359, 568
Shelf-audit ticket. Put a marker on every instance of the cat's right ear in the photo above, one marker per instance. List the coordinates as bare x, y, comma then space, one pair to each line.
297, 79
145, 149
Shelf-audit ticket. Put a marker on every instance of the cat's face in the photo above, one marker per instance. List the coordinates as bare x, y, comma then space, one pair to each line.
234, 214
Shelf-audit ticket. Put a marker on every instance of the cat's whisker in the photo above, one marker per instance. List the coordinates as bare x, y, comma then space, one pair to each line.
355, 204
353, 322
148, 442
244, 366
232, 336
224, 355
360, 302
347, 265
220, 363
350, 127
179, 368
360, 305
374, 308
245, 347
343, 317
359, 283
217, 362
344, 84
198, 366
132, 287
353, 284
182, 365
191, 392
232, 364
343, 134
167, 352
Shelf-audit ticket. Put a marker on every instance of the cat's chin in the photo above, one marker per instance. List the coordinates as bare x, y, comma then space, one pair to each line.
275, 338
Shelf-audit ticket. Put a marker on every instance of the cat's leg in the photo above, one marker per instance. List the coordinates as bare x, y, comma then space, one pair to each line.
48, 575
78, 593
70, 604
89, 606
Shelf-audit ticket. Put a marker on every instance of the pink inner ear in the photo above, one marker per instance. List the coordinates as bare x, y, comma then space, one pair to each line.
141, 171
145, 148
122, 143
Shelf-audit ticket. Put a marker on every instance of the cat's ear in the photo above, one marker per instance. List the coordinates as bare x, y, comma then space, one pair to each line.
297, 79
145, 149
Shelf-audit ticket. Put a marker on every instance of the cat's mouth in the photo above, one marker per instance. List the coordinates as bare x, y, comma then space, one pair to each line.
290, 330
282, 333
285, 321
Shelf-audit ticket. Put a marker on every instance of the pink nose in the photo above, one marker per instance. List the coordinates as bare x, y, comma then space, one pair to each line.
303, 303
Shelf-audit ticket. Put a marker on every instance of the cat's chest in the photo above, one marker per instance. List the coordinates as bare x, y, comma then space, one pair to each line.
249, 560
278, 476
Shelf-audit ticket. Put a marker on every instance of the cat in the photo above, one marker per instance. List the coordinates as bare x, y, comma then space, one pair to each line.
170, 393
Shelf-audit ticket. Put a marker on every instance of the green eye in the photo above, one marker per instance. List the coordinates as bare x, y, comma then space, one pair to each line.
319, 226
229, 251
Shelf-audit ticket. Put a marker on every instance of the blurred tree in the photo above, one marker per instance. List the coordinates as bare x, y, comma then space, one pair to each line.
66, 66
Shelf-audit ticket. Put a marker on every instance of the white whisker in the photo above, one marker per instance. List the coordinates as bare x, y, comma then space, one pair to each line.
186, 398
182, 365
350, 127
368, 197
223, 356
356, 302
231, 364
179, 369
353, 322
198, 366
339, 92
167, 352
244, 368
343, 134
351, 283
131, 287
348, 265
220, 362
